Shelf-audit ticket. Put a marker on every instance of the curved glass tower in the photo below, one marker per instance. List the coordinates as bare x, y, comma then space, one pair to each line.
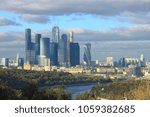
44, 50
55, 34
87, 54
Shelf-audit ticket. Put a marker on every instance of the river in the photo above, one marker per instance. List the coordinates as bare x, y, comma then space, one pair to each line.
79, 89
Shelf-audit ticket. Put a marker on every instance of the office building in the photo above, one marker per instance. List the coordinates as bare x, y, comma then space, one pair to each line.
135, 71
55, 34
74, 54
4, 62
44, 50
126, 62
71, 36
27, 45
109, 61
37, 47
87, 54
54, 54
142, 61
20, 62
62, 51
70, 40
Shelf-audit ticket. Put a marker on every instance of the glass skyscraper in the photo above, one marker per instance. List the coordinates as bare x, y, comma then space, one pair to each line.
44, 50
28, 46
62, 50
54, 53
87, 54
37, 47
74, 54
55, 34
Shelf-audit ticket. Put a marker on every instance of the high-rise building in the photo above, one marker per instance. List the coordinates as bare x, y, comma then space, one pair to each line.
71, 37
20, 62
37, 47
70, 40
44, 50
54, 53
142, 61
55, 34
87, 54
4, 62
109, 61
74, 54
28, 39
62, 51
27, 45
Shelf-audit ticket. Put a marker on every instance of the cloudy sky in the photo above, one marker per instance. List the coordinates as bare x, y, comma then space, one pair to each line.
118, 28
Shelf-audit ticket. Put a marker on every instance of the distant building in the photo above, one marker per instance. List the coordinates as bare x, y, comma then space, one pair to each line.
4, 62
29, 48
37, 47
109, 61
55, 34
74, 54
44, 50
27, 45
70, 40
87, 54
71, 36
142, 61
54, 53
20, 62
62, 51
126, 62
135, 71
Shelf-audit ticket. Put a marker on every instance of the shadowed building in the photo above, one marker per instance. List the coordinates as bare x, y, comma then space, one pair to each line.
54, 54
62, 51
74, 54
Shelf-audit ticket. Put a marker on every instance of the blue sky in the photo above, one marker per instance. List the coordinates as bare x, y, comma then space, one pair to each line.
104, 23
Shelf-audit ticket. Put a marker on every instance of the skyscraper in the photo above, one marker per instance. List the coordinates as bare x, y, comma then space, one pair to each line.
142, 61
74, 54
37, 47
27, 45
55, 34
109, 61
28, 39
44, 50
71, 37
87, 54
70, 40
54, 53
62, 51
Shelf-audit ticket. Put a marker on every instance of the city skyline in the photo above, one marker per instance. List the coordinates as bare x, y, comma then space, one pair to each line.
114, 28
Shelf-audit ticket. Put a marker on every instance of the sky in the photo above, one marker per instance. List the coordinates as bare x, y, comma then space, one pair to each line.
117, 28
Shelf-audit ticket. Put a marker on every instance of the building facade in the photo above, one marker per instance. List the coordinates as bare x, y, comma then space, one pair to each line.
87, 54
62, 51
74, 54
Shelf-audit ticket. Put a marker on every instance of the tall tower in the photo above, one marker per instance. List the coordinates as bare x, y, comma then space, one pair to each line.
70, 40
142, 61
44, 50
55, 34
17, 59
71, 37
87, 54
37, 47
74, 54
27, 45
62, 51
54, 53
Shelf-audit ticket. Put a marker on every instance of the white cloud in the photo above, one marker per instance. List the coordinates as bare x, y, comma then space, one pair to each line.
42, 19
62, 7
7, 22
